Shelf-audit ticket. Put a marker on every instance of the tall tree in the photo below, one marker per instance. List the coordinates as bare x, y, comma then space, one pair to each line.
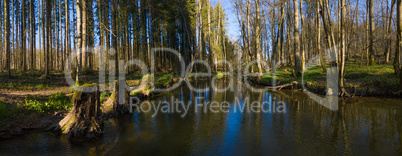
388, 32
371, 31
23, 39
48, 38
342, 50
114, 32
397, 60
79, 7
296, 29
7, 35
33, 30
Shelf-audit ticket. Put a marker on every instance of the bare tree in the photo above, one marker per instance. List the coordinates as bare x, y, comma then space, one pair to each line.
371, 31
397, 61
296, 31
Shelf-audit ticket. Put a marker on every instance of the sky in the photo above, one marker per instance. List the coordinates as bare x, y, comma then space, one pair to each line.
232, 25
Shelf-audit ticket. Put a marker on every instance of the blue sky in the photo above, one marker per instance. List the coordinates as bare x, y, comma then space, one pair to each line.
232, 26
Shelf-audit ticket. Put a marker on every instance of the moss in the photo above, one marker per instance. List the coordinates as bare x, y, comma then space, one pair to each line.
77, 94
89, 85
73, 119
135, 92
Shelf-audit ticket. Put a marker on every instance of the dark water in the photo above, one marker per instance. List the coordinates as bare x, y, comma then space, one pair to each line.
360, 126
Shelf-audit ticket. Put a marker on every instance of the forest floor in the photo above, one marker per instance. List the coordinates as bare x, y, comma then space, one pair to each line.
31, 101
361, 80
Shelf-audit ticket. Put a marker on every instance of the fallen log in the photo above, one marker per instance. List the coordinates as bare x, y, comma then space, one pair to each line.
292, 84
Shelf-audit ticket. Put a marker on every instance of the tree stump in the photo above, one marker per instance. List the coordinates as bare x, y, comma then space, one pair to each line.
112, 107
84, 120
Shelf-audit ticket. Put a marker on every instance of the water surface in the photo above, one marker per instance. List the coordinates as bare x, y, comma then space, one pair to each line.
360, 126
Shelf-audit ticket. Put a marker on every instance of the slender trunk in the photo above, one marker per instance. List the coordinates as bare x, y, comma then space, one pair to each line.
319, 39
7, 35
84, 18
297, 68
397, 61
78, 6
371, 31
343, 50
48, 22
303, 57
209, 34
388, 37
33, 56
66, 33
258, 36
23, 36
114, 37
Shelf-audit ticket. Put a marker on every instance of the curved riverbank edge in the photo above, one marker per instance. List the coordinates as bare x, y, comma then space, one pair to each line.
320, 88
50, 122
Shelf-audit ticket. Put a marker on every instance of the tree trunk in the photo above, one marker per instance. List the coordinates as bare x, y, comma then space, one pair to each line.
84, 36
78, 6
319, 38
85, 119
7, 35
303, 56
23, 37
343, 50
209, 35
114, 37
33, 39
48, 38
371, 31
397, 61
66, 33
258, 37
297, 68
388, 37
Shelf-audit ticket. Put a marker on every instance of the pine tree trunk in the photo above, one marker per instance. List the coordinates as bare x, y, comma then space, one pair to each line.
7, 35
114, 37
78, 6
33, 40
23, 37
48, 38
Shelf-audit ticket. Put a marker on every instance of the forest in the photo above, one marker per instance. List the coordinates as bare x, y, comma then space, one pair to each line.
291, 48
39, 35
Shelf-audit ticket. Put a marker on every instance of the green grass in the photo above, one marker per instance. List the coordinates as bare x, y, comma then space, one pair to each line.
104, 96
376, 79
43, 105
8, 114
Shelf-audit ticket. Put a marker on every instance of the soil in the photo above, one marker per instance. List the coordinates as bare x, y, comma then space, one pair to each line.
31, 120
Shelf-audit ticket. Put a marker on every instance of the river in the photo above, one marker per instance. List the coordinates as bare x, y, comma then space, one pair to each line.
290, 123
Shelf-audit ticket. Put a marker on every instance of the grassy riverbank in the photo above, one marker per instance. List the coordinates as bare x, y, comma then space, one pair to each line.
30, 101
376, 80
